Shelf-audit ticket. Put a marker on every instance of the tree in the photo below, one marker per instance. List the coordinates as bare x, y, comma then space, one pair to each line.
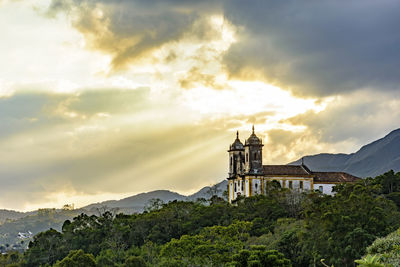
46, 247
153, 205
225, 194
385, 251
108, 258
135, 261
259, 256
9, 259
212, 191
286, 237
77, 258
212, 246
340, 227
389, 181
262, 211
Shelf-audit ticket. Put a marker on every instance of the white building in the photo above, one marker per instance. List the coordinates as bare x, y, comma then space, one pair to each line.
249, 177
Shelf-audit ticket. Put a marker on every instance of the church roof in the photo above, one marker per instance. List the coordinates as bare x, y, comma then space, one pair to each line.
302, 170
334, 177
294, 170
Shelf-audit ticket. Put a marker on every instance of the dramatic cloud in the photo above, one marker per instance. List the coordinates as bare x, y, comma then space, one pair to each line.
317, 47
310, 47
129, 30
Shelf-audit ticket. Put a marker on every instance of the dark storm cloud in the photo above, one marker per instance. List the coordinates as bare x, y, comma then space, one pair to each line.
318, 47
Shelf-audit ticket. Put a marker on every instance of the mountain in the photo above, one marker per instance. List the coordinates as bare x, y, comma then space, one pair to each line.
13, 222
208, 191
371, 160
33, 222
10, 215
136, 203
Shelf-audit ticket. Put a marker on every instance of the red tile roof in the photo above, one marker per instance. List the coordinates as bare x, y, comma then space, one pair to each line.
302, 170
294, 170
334, 177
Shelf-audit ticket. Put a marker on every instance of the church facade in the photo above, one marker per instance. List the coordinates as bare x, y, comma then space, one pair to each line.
248, 176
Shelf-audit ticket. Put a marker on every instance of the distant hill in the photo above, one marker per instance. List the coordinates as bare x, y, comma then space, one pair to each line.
206, 192
136, 203
34, 222
6, 215
371, 160
14, 222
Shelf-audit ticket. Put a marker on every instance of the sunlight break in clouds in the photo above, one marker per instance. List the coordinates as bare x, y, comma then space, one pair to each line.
95, 94
75, 124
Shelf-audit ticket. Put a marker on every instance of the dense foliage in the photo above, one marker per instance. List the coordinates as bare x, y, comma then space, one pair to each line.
384, 251
282, 228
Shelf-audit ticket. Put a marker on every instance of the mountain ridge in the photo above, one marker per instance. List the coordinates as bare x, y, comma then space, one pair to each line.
370, 160
142, 199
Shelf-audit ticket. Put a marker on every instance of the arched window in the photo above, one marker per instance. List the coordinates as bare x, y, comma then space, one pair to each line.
231, 161
247, 157
255, 156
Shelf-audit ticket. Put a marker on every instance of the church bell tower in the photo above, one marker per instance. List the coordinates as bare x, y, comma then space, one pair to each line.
236, 157
253, 154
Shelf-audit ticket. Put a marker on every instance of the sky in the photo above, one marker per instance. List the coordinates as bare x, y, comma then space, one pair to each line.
104, 99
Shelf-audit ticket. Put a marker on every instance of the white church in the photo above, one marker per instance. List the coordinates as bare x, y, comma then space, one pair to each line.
248, 176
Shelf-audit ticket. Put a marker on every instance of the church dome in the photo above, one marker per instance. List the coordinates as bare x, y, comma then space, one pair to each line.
237, 145
253, 139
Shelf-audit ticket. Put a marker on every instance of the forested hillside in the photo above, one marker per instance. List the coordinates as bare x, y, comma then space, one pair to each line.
8, 215
282, 228
12, 222
42, 220
136, 203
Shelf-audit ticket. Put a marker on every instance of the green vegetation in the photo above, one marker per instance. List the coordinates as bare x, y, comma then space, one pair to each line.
42, 220
282, 228
384, 251
77, 258
259, 256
